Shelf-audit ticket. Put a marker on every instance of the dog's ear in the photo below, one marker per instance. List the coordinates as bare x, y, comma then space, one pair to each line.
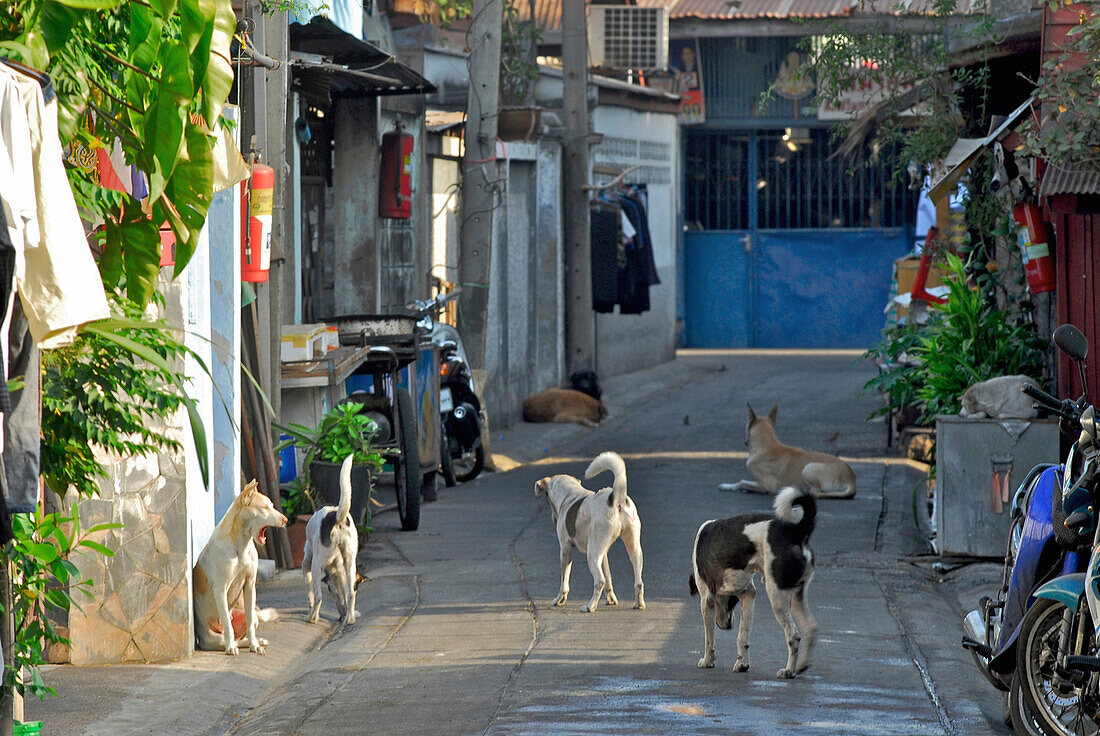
252, 486
541, 487
773, 414
752, 414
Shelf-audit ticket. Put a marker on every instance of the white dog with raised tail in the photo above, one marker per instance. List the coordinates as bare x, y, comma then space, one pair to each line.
591, 521
332, 544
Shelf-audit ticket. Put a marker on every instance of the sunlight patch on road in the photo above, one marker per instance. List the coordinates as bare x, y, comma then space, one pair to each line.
505, 463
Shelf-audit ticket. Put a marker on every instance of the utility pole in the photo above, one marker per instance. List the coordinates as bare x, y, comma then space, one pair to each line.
277, 82
481, 186
580, 323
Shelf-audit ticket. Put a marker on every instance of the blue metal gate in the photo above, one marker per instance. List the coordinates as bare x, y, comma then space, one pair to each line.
786, 245
788, 288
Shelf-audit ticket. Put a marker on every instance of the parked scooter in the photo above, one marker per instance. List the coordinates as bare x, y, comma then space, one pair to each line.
1058, 649
462, 456
1040, 547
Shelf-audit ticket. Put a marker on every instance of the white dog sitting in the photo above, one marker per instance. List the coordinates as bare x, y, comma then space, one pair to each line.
226, 572
591, 522
332, 544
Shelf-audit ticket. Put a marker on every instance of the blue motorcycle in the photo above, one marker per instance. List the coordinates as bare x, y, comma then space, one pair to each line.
1048, 540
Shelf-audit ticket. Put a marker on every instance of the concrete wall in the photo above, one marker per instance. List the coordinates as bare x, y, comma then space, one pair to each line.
355, 206
525, 338
140, 610
651, 141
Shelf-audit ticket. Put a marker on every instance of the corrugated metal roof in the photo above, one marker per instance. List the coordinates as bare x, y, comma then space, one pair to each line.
1070, 180
805, 9
548, 12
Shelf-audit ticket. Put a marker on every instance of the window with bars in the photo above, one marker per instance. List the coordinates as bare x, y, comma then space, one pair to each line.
794, 183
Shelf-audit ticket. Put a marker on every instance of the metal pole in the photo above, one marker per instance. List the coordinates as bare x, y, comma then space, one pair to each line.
481, 186
580, 323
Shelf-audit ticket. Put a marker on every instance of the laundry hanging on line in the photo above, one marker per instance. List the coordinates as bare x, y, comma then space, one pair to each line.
49, 282
623, 266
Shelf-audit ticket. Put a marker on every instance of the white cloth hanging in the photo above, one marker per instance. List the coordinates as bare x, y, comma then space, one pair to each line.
59, 285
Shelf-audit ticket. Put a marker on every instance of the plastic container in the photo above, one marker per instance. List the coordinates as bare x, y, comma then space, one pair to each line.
27, 729
288, 468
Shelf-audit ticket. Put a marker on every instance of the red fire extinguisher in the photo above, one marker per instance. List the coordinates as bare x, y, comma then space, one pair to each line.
1034, 243
257, 198
395, 187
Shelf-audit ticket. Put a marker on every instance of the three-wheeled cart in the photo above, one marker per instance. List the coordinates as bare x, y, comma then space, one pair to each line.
370, 366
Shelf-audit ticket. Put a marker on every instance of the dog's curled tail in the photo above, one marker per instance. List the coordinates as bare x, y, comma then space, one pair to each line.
610, 461
344, 508
796, 510
264, 615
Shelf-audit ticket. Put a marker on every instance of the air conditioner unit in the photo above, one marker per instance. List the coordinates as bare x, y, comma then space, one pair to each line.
628, 37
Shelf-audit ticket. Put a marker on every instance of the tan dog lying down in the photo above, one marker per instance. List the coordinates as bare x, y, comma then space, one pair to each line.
225, 574
776, 466
563, 405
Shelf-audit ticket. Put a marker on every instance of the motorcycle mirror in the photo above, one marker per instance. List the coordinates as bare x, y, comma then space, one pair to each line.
1072, 342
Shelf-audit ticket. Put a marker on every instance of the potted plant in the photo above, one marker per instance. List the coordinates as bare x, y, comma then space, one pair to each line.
519, 71
341, 432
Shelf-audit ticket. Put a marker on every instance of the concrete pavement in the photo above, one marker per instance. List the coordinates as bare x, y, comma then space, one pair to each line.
457, 635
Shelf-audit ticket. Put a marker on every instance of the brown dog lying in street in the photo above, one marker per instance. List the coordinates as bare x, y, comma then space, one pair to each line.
563, 405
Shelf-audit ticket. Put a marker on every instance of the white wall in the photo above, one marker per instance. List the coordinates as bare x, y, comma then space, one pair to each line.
651, 141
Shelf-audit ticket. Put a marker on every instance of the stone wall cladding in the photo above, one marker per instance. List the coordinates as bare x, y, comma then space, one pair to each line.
140, 609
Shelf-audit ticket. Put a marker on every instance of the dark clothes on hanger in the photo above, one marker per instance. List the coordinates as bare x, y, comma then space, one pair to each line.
21, 424
623, 268
7, 281
604, 230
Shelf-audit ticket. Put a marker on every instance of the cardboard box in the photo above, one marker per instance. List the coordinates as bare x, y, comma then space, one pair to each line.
331, 338
907, 274
303, 342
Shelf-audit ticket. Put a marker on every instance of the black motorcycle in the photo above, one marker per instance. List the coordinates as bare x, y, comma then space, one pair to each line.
463, 455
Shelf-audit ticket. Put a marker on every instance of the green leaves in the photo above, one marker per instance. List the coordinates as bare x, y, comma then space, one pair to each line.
341, 432
44, 580
967, 340
152, 75
91, 4
106, 391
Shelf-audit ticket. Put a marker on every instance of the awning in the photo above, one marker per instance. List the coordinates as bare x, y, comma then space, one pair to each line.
1060, 179
966, 151
326, 62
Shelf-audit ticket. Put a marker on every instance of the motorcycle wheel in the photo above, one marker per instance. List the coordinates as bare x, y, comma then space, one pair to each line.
1017, 715
446, 463
1055, 712
469, 465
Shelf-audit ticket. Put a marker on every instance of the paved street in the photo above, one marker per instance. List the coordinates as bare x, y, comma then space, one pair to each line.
458, 635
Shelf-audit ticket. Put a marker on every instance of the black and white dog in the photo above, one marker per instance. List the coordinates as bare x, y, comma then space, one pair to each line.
332, 544
726, 555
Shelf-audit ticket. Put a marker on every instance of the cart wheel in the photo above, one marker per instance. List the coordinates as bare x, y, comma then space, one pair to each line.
429, 487
406, 476
446, 463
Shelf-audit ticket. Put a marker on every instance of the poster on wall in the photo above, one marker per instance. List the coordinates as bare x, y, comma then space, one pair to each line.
687, 79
